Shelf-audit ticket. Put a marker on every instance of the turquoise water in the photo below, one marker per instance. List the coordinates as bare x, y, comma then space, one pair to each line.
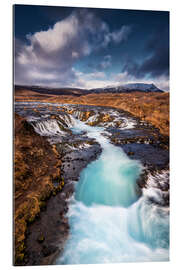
110, 220
110, 180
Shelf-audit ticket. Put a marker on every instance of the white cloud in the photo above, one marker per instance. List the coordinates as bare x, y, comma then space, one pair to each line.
106, 62
49, 56
162, 83
56, 38
117, 36
122, 34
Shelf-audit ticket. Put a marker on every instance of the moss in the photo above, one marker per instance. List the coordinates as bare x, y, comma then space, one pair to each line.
31, 219
54, 193
62, 183
19, 258
40, 238
21, 247
42, 205
59, 188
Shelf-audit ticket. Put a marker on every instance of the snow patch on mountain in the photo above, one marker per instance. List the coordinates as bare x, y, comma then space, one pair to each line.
145, 87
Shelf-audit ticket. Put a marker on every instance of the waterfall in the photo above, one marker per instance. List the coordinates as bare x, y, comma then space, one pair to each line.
49, 127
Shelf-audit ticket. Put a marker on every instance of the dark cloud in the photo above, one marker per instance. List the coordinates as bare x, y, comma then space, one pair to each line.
157, 61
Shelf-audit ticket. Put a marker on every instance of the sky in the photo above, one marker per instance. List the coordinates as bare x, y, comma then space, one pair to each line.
89, 47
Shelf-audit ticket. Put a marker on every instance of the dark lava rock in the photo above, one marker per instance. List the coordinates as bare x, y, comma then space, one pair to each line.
77, 160
148, 154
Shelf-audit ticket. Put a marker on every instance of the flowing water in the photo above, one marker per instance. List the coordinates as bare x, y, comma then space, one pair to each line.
111, 220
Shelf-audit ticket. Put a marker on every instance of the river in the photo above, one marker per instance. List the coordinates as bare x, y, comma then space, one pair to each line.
111, 219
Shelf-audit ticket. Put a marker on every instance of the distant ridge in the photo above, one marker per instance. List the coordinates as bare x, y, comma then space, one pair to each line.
130, 87
125, 88
52, 91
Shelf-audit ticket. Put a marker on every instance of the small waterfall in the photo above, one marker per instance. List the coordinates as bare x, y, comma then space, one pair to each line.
67, 119
94, 117
78, 114
58, 126
47, 127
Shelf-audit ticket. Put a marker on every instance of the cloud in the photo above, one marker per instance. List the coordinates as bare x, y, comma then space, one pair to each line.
49, 56
106, 62
90, 80
157, 61
122, 34
51, 52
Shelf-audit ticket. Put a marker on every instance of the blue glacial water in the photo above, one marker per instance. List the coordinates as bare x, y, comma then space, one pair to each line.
110, 220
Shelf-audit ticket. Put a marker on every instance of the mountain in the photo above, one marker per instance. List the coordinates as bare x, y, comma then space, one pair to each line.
125, 88
130, 87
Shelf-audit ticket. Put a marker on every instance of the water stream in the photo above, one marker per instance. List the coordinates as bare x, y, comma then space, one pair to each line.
111, 219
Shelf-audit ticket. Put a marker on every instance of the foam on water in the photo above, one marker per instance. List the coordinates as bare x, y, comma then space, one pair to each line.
104, 234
